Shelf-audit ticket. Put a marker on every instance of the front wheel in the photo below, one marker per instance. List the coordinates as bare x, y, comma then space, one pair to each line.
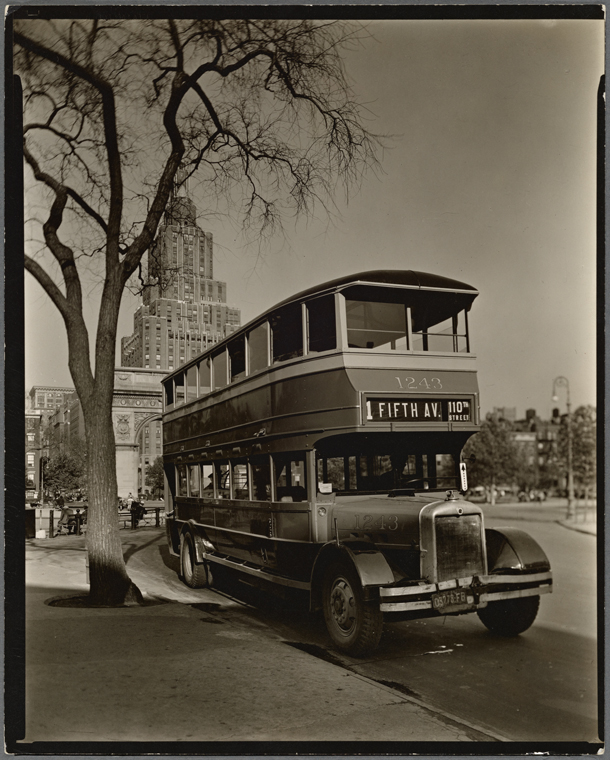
354, 625
511, 616
193, 574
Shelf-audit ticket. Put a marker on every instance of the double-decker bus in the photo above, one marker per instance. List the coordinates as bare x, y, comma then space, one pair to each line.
318, 448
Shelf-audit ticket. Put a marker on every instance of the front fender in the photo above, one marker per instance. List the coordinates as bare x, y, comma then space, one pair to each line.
512, 549
371, 565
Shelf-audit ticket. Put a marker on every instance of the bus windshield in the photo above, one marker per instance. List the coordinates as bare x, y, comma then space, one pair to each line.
385, 472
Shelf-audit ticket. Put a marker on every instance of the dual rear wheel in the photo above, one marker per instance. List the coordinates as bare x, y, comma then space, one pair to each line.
194, 574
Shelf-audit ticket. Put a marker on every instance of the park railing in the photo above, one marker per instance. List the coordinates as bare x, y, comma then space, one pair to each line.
152, 517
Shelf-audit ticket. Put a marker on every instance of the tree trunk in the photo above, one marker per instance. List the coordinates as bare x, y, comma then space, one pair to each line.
109, 583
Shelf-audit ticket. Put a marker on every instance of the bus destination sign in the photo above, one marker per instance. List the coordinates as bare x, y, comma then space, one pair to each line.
418, 410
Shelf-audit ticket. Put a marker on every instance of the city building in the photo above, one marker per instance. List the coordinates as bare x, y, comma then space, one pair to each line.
33, 455
184, 310
41, 403
508, 413
47, 398
538, 439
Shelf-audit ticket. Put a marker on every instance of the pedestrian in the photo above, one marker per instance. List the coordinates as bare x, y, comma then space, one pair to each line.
137, 512
129, 500
66, 520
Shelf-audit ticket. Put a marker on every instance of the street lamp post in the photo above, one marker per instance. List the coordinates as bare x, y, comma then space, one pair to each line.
562, 382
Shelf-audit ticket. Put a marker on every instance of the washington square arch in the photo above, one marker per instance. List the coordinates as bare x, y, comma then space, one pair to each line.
136, 402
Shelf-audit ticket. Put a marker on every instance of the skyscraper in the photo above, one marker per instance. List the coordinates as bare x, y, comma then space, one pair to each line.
184, 311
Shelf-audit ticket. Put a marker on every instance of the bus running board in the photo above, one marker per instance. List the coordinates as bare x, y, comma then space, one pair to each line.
259, 572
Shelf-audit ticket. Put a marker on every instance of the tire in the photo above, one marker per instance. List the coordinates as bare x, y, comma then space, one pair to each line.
354, 625
510, 617
192, 573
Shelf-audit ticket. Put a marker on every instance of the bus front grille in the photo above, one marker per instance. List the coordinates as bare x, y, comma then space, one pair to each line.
459, 551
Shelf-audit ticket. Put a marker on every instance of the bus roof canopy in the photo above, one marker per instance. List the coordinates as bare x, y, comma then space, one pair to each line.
404, 277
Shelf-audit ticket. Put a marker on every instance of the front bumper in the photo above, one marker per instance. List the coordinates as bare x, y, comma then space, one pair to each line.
480, 590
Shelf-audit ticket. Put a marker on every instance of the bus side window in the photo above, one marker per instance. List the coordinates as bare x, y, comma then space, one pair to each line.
170, 476
182, 482
290, 480
258, 348
194, 484
287, 333
179, 385
461, 329
191, 384
207, 479
223, 484
169, 395
205, 380
332, 470
240, 480
237, 358
261, 479
219, 362
321, 329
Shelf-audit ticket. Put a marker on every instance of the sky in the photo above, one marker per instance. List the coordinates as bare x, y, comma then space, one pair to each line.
488, 177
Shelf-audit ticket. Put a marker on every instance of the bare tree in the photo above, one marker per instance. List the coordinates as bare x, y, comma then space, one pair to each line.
259, 112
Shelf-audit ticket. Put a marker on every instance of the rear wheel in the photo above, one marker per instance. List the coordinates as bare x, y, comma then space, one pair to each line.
511, 616
354, 625
193, 574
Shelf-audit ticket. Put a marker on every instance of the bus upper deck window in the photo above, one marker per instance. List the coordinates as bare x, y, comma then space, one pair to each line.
179, 386
376, 325
205, 382
448, 335
287, 333
237, 358
191, 384
219, 362
321, 328
258, 348
169, 394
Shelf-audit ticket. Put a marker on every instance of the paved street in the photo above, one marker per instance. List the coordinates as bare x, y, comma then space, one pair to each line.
538, 687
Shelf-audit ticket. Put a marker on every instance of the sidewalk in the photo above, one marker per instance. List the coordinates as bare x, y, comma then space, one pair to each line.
170, 672
551, 510
586, 525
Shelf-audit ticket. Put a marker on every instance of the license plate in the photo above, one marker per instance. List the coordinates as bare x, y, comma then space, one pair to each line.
452, 601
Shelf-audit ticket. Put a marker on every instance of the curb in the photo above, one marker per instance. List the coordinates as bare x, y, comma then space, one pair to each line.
434, 710
592, 531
